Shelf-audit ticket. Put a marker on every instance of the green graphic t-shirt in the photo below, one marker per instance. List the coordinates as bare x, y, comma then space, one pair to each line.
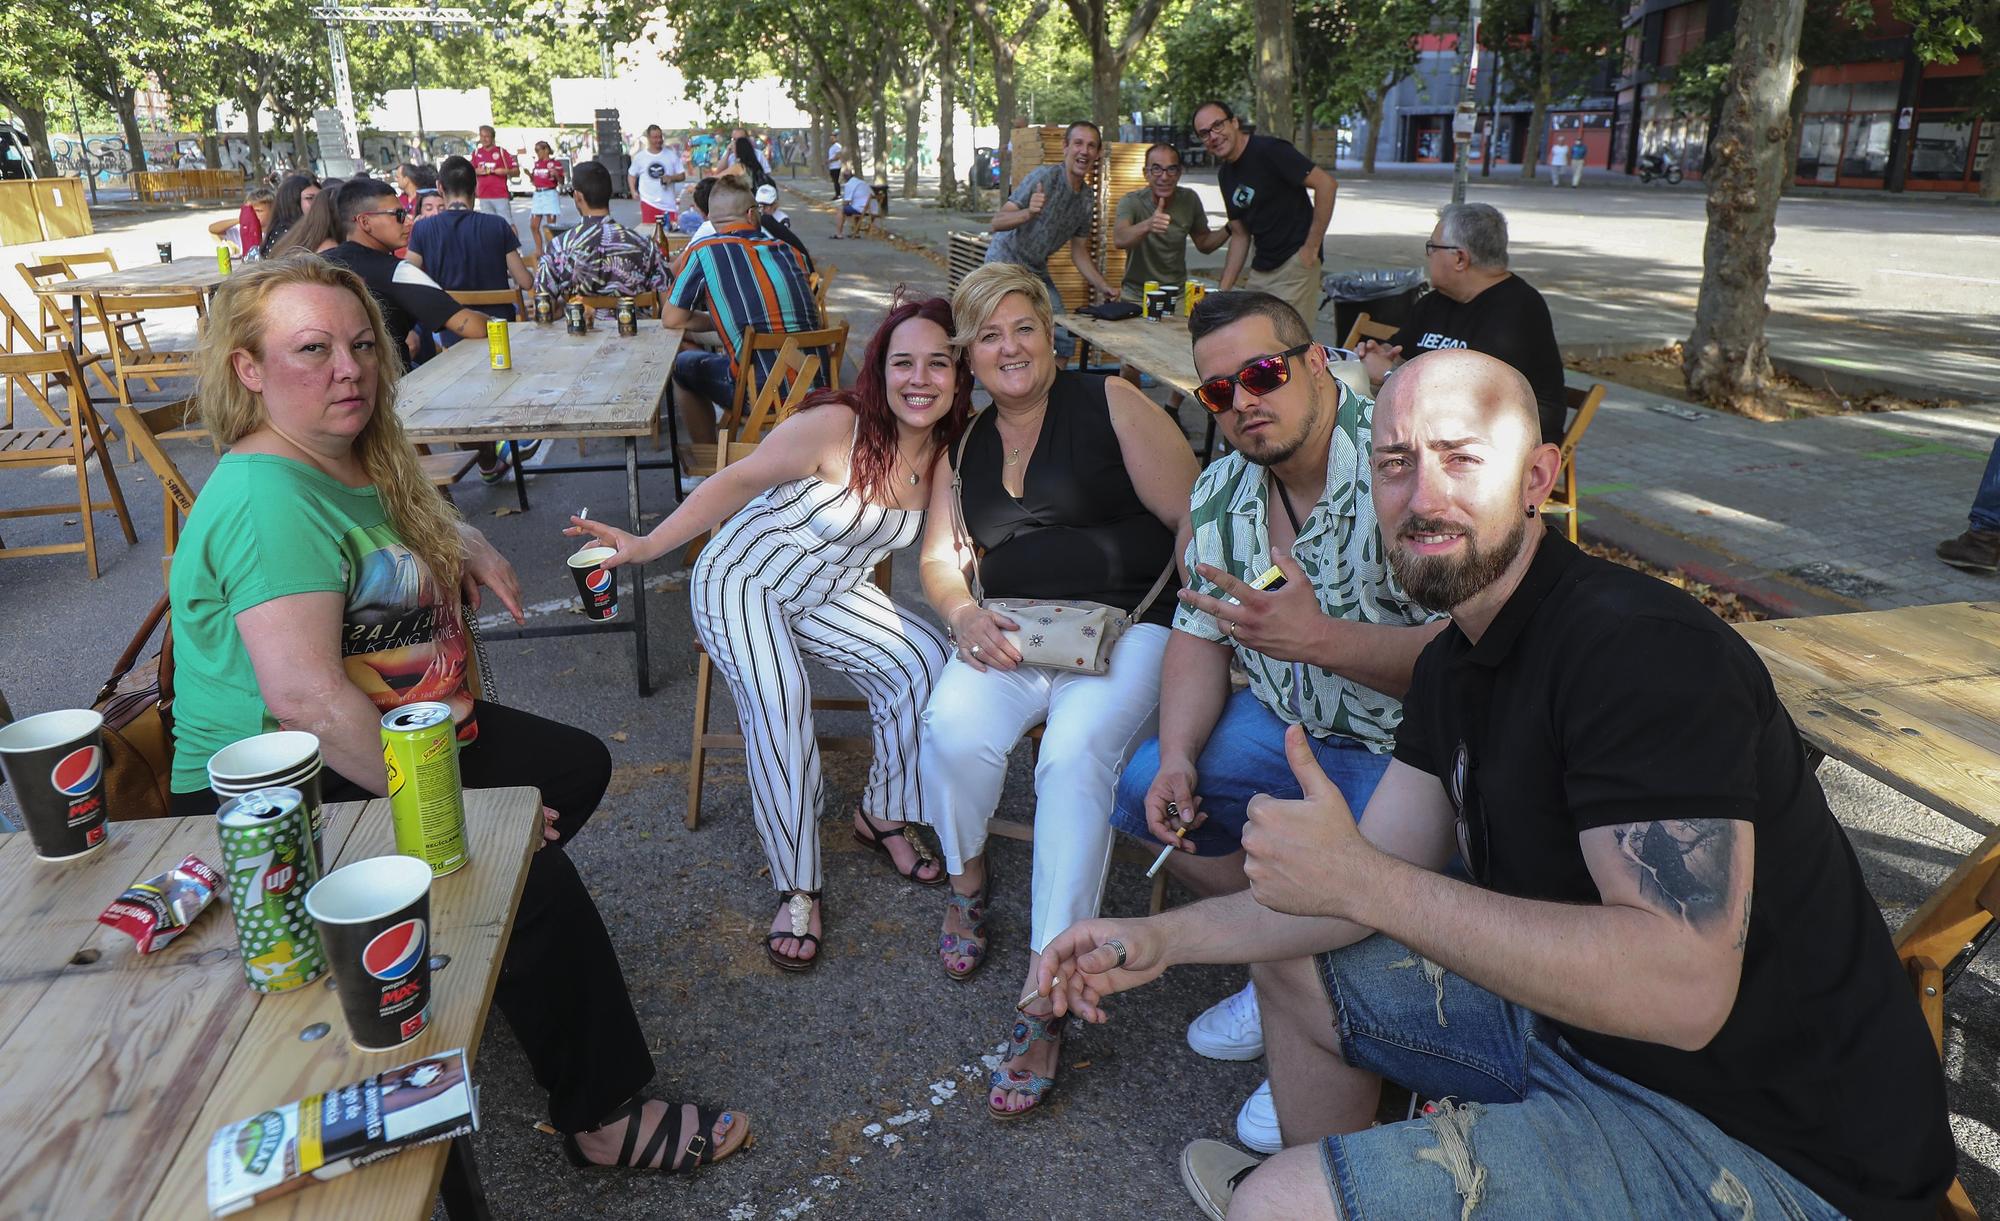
266, 527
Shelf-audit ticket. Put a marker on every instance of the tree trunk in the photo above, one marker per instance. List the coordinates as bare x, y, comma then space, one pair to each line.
879, 153
947, 109
1797, 111
913, 121
1492, 117
1538, 118
253, 136
127, 105
1004, 103
1274, 67
1545, 37
1373, 114
35, 123
1727, 359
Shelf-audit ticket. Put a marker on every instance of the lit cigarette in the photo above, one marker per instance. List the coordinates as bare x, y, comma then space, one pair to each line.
1021, 1006
1166, 852
585, 515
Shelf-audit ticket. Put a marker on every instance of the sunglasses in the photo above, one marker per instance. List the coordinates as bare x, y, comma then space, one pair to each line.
398, 213
1260, 377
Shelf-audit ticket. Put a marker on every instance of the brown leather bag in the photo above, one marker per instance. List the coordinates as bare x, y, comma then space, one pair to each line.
137, 705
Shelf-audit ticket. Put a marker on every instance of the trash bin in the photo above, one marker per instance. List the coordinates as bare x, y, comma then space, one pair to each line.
881, 190
985, 169
1385, 294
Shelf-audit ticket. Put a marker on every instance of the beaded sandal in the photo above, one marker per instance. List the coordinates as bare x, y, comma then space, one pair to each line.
972, 946
800, 906
694, 1147
877, 840
1029, 1029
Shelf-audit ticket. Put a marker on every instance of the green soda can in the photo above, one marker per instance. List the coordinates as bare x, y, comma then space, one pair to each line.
267, 857
420, 746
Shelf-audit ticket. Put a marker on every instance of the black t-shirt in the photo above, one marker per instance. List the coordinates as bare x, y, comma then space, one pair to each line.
1509, 322
1265, 188
1601, 696
409, 298
1079, 530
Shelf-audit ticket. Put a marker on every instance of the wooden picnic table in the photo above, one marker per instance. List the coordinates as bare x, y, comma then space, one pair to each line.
120, 1067
194, 274
1912, 698
561, 386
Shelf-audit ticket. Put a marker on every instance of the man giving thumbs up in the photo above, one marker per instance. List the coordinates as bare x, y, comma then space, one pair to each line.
1154, 223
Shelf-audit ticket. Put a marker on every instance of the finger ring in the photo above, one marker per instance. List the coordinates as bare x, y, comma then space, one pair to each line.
975, 650
1173, 809
1115, 944
1229, 630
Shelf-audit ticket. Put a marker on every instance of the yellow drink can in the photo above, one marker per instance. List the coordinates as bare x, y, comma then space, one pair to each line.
222, 259
499, 352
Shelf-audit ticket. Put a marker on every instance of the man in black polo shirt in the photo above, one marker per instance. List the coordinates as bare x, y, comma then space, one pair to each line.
376, 226
1278, 203
1612, 1027
1475, 302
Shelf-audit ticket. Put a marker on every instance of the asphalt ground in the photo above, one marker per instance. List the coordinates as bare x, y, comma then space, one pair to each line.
864, 1078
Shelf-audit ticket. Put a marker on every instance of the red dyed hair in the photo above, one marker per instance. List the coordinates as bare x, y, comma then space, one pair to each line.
870, 470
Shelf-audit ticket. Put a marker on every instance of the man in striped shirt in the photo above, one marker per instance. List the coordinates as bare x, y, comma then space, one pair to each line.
736, 281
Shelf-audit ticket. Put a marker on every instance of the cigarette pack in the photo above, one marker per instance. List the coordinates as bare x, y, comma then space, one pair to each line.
324, 1135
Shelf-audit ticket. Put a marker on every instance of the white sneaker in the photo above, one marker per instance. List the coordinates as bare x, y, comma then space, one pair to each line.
1230, 1029
1257, 1122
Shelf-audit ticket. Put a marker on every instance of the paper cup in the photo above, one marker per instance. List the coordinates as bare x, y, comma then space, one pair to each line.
595, 584
165, 250
287, 758
374, 920
55, 761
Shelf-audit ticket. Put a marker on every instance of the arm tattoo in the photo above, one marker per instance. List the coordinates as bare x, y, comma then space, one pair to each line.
1682, 866
1743, 931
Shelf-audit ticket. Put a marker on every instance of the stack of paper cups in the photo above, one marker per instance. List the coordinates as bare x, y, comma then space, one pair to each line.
288, 759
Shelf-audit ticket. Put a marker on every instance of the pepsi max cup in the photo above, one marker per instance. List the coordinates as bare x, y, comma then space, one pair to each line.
596, 584
374, 919
55, 762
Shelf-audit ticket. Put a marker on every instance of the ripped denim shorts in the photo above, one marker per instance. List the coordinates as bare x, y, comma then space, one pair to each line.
1526, 1127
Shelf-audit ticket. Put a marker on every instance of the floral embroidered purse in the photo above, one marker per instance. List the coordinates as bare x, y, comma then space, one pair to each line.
1061, 635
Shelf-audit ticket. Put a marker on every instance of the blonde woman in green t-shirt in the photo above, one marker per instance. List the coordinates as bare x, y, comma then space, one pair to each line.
316, 586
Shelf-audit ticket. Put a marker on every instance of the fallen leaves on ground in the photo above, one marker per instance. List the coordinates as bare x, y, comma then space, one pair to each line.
1658, 371
1731, 608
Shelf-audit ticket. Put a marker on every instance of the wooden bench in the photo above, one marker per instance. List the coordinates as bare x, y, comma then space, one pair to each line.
447, 467
965, 253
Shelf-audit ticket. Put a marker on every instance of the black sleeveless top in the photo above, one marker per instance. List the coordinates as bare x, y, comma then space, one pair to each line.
1079, 530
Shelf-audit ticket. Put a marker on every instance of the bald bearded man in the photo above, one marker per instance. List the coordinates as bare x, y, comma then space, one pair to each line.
1610, 1025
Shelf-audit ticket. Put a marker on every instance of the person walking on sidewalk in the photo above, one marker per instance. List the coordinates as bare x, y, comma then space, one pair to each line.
1558, 162
1978, 549
1579, 152
1279, 204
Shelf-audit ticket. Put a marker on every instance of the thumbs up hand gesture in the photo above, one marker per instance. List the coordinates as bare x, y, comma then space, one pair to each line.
1305, 855
1036, 201
1161, 220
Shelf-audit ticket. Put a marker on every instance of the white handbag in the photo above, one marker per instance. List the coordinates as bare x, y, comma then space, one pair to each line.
1061, 635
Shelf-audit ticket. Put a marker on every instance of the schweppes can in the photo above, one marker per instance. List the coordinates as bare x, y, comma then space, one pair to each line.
1191, 294
426, 801
499, 353
267, 858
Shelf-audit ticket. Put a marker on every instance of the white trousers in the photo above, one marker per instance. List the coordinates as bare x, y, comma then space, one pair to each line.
1093, 724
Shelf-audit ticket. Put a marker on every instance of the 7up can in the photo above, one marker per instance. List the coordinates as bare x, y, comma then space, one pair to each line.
267, 858
420, 746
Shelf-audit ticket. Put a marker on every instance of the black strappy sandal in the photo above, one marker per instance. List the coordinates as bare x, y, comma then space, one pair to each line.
878, 841
696, 1148
801, 921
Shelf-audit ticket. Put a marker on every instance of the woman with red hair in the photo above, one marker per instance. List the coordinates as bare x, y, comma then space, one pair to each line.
827, 496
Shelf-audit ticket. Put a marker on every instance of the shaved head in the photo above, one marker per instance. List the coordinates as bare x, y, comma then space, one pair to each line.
1459, 470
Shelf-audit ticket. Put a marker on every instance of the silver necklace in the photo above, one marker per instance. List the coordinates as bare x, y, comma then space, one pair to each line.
908, 466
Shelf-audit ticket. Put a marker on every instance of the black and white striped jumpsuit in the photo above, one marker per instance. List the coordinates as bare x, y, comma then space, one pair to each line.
788, 578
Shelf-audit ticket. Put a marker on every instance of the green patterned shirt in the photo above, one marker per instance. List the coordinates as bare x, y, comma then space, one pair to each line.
1340, 550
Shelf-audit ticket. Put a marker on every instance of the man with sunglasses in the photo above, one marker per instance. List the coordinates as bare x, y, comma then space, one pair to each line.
1279, 205
1610, 1025
1331, 650
413, 305
1155, 223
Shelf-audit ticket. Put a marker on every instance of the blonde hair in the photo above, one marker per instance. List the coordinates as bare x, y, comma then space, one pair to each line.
424, 520
981, 292
731, 195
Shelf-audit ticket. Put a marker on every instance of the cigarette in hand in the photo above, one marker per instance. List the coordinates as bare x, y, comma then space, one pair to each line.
1021, 1006
1167, 851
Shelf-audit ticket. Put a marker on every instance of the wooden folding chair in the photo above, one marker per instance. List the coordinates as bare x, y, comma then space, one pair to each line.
1563, 499
793, 376
22, 338
148, 364
477, 297
647, 303
1365, 328
55, 323
143, 431
818, 281
1122, 849
706, 740
757, 352
72, 445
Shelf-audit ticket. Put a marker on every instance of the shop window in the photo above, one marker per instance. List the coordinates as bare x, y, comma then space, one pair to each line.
1819, 148
1823, 98
1875, 95
1941, 148
1866, 153
1947, 92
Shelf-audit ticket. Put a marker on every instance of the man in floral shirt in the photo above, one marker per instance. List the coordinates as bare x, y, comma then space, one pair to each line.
600, 257
1332, 650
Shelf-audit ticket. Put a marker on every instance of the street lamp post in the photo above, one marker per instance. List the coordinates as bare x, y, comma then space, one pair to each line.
417, 96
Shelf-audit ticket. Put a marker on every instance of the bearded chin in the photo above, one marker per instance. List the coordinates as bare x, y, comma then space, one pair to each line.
1440, 582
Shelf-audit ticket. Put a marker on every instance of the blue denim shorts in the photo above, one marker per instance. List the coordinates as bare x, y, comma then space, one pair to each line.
1245, 756
1526, 1126
712, 375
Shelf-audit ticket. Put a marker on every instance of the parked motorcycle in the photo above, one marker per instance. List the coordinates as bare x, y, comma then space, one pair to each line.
1659, 165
